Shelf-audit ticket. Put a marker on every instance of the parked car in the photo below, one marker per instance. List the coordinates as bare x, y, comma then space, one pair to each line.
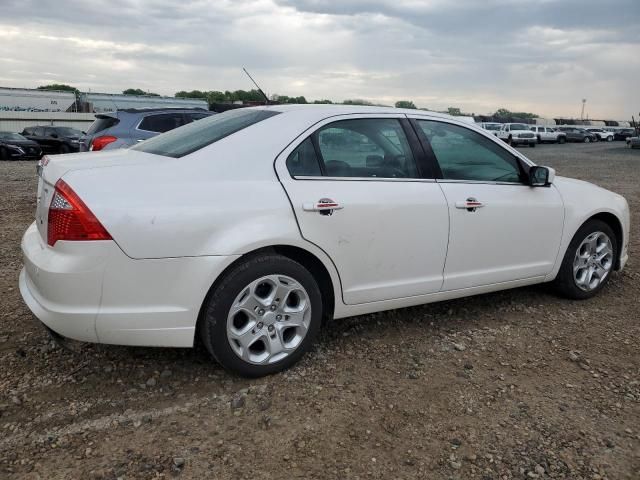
517, 134
251, 227
548, 134
575, 134
601, 135
14, 146
623, 134
633, 142
124, 128
54, 139
493, 127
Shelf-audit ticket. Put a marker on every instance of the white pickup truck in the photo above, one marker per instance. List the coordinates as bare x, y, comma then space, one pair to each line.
517, 134
548, 134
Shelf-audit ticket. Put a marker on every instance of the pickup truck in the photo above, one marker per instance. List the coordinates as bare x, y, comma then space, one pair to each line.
517, 134
548, 134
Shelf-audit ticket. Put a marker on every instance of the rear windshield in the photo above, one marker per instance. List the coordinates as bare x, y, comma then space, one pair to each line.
194, 136
102, 123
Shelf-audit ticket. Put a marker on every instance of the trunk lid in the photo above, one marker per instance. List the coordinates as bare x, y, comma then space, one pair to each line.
51, 169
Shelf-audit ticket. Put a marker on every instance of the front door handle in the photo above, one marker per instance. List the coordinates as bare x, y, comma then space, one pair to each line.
470, 204
324, 206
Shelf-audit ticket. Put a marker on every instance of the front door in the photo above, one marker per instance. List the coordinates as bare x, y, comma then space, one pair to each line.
359, 195
501, 229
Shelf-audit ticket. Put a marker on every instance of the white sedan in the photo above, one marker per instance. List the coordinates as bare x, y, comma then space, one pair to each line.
250, 228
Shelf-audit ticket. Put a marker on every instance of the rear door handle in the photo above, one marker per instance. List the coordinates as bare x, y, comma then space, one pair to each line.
324, 206
470, 204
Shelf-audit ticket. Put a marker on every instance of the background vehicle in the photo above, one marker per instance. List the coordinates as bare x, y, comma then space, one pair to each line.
578, 134
517, 134
548, 134
253, 226
124, 128
54, 139
601, 135
493, 127
14, 146
623, 134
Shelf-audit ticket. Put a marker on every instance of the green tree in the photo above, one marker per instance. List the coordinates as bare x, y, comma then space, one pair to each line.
138, 91
59, 86
454, 111
191, 94
356, 101
405, 104
323, 101
504, 113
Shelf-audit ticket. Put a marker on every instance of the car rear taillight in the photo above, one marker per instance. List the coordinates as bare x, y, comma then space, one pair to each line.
99, 143
70, 219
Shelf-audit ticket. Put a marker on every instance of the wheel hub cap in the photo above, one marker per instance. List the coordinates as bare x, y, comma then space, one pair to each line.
593, 261
268, 319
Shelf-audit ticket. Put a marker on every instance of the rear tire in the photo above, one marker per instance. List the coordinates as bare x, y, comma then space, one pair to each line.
248, 341
587, 140
4, 155
565, 282
609, 138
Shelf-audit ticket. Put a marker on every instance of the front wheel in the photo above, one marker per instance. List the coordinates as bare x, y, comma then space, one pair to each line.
562, 139
609, 139
588, 261
4, 154
587, 140
263, 316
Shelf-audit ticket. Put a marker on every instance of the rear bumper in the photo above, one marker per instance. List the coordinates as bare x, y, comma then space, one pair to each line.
93, 292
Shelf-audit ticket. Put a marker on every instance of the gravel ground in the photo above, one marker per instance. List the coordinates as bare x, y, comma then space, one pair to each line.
517, 384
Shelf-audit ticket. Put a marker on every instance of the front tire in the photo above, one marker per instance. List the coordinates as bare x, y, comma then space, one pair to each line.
609, 138
587, 140
562, 140
4, 154
263, 316
588, 262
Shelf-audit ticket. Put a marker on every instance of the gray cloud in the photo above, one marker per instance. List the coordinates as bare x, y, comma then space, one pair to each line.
539, 56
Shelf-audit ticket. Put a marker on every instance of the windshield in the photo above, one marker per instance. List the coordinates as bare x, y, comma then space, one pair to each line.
519, 126
194, 136
68, 132
16, 137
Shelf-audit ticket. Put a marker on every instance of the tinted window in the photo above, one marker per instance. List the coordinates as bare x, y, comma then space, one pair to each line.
303, 162
196, 135
102, 123
366, 148
192, 117
39, 132
161, 123
466, 155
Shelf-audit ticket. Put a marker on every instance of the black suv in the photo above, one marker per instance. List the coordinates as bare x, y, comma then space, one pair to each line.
14, 146
54, 139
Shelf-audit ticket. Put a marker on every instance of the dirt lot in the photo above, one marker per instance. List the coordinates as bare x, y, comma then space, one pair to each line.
518, 384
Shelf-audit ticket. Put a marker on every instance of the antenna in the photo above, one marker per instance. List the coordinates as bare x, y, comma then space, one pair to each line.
266, 99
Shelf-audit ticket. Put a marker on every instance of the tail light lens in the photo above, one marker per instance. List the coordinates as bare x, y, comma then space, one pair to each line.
71, 219
99, 143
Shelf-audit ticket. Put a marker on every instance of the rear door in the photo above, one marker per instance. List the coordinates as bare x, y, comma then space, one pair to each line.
361, 192
501, 229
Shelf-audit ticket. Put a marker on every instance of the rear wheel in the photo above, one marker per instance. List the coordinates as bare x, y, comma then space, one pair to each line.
4, 154
562, 139
587, 140
609, 138
263, 316
588, 261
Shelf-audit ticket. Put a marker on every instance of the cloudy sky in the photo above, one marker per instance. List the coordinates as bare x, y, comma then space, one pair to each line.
542, 56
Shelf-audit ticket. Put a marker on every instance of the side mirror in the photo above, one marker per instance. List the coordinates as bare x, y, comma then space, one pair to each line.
541, 176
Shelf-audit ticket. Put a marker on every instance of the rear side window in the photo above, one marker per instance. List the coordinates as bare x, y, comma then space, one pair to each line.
303, 161
102, 123
162, 122
196, 135
192, 117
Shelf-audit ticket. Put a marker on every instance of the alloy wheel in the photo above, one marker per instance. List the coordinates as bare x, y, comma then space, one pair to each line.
268, 319
593, 261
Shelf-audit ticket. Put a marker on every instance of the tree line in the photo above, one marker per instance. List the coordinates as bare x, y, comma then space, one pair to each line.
249, 96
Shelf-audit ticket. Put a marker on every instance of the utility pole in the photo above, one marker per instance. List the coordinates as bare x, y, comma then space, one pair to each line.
584, 100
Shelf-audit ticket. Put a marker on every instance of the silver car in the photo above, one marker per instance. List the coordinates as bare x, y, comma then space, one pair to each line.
123, 128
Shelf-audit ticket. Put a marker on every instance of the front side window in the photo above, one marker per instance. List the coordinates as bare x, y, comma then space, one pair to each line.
366, 148
466, 155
